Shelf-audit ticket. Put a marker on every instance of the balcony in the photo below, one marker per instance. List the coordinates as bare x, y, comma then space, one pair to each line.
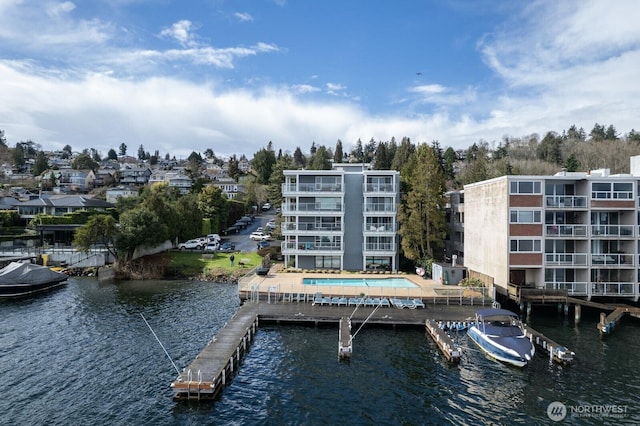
317, 207
613, 260
379, 228
306, 188
311, 248
379, 208
573, 288
624, 231
565, 201
566, 259
565, 231
380, 248
614, 288
310, 228
379, 188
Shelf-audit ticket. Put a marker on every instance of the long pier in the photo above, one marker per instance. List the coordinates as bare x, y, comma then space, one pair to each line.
216, 364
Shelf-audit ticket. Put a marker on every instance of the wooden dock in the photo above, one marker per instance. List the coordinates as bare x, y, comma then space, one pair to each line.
444, 342
557, 352
345, 341
216, 364
608, 322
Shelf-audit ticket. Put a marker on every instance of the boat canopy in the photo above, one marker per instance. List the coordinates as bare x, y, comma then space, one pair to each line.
17, 273
493, 312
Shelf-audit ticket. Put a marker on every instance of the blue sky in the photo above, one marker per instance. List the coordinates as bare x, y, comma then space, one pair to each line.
187, 75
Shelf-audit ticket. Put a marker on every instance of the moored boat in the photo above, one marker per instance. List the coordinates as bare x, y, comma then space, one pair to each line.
500, 334
22, 279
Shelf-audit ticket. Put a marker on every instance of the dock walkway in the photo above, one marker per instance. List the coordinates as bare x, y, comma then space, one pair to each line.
205, 377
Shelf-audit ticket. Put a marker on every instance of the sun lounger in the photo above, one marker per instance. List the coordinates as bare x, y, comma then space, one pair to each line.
368, 302
419, 303
326, 300
335, 301
318, 299
354, 301
397, 303
376, 301
385, 302
342, 301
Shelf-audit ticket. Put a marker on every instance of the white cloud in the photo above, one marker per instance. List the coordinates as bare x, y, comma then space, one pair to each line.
243, 17
180, 31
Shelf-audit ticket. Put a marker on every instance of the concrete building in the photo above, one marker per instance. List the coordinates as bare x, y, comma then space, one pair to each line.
344, 218
573, 232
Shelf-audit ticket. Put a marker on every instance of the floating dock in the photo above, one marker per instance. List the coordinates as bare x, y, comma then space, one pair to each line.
608, 322
345, 341
216, 364
557, 352
444, 342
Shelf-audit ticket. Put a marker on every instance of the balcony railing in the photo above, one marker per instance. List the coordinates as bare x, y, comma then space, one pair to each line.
389, 227
573, 288
382, 187
312, 207
566, 201
311, 187
570, 259
380, 247
380, 207
612, 259
565, 231
614, 288
612, 230
309, 246
308, 227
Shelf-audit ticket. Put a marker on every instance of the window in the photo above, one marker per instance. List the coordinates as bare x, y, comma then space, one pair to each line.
525, 187
327, 262
525, 216
612, 190
530, 246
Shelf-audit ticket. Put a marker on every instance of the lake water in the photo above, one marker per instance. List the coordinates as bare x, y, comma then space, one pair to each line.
82, 355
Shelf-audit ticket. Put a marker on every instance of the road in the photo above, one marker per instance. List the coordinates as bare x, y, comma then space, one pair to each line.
242, 240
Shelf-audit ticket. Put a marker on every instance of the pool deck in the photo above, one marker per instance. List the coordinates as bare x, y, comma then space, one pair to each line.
279, 284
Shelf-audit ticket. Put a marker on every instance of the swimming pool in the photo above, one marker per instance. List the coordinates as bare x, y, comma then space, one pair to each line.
361, 282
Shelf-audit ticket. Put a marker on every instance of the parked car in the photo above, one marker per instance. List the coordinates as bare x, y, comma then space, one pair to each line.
213, 237
264, 244
259, 236
227, 246
260, 229
212, 246
190, 245
231, 230
266, 207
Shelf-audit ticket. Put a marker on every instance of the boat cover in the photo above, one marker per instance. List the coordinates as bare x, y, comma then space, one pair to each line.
29, 274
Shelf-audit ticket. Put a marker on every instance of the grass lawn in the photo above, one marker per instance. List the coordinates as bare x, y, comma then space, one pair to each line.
196, 263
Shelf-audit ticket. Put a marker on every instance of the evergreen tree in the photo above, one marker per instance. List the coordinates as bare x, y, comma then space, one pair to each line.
123, 149
358, 152
422, 211
234, 168
572, 164
262, 165
339, 154
403, 153
320, 161
382, 160
274, 190
112, 155
450, 157
298, 158
41, 164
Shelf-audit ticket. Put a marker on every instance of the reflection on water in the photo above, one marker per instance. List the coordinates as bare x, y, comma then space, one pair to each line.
83, 355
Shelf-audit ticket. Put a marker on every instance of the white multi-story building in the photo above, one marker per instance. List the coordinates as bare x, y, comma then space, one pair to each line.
572, 231
344, 218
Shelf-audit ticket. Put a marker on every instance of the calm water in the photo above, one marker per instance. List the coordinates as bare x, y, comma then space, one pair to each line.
82, 355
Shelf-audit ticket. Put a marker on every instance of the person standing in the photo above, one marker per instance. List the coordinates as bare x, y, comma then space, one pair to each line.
231, 259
